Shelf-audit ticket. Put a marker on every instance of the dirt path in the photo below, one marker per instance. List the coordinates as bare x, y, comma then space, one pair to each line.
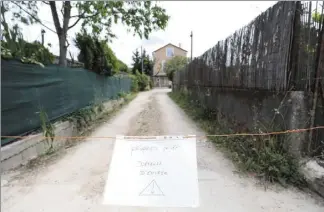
75, 182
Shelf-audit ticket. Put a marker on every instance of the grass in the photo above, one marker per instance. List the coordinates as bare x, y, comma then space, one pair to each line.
264, 156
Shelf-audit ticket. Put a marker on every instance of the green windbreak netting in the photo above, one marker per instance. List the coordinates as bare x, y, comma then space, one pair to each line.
25, 88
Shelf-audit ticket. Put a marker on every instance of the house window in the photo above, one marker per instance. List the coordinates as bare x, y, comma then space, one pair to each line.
169, 52
163, 65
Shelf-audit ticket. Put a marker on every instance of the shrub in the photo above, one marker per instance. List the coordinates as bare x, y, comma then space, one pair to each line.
96, 54
15, 47
140, 82
143, 81
134, 85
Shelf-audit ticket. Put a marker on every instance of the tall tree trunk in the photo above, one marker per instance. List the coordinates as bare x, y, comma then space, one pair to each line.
62, 30
63, 50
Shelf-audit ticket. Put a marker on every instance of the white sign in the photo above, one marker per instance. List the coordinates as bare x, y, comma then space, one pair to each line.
153, 172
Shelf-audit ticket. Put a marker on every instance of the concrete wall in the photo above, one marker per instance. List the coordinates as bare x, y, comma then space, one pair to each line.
259, 111
21, 152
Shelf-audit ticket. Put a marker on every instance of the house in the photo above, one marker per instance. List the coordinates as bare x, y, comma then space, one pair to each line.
160, 56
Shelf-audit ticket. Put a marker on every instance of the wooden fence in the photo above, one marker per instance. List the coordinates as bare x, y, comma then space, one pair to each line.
277, 51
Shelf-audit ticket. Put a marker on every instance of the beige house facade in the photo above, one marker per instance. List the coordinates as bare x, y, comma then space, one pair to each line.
161, 56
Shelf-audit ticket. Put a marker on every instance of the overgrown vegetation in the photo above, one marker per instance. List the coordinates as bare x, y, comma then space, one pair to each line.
140, 17
264, 156
137, 63
177, 63
96, 54
140, 82
47, 129
85, 117
15, 47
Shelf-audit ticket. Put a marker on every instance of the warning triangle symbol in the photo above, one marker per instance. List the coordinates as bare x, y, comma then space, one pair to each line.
152, 189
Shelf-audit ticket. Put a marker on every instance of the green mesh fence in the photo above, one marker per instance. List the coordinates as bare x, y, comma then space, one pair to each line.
26, 88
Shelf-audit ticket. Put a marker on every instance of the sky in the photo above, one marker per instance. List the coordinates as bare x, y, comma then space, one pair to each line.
210, 21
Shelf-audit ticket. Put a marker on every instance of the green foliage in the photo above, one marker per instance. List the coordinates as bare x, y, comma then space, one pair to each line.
38, 52
134, 85
317, 17
95, 54
121, 66
18, 9
47, 128
137, 66
140, 82
147, 64
177, 63
263, 156
142, 17
138, 16
16, 47
143, 81
14, 42
137, 63
122, 94
5, 53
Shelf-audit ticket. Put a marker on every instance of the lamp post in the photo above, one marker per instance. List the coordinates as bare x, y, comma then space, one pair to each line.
142, 66
191, 35
43, 32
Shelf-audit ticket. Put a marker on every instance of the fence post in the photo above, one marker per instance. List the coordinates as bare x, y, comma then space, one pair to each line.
294, 48
320, 68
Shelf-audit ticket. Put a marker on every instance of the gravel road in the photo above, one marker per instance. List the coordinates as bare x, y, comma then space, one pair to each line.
75, 181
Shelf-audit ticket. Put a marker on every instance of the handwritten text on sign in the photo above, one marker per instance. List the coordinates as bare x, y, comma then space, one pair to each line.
159, 172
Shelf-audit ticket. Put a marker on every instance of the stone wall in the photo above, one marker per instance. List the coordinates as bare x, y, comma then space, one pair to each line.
258, 111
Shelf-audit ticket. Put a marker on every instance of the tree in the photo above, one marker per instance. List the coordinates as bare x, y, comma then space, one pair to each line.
137, 62
140, 17
13, 45
317, 17
96, 54
121, 66
147, 64
177, 63
18, 12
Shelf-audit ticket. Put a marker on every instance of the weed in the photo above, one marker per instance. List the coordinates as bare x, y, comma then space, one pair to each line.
122, 94
264, 156
48, 129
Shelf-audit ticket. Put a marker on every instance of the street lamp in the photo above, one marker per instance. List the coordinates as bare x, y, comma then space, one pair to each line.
43, 32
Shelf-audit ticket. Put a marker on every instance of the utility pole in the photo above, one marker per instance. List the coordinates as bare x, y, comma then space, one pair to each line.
142, 50
142, 59
191, 45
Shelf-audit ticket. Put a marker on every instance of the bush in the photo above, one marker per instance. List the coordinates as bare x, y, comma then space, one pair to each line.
140, 82
134, 85
15, 47
143, 81
96, 54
